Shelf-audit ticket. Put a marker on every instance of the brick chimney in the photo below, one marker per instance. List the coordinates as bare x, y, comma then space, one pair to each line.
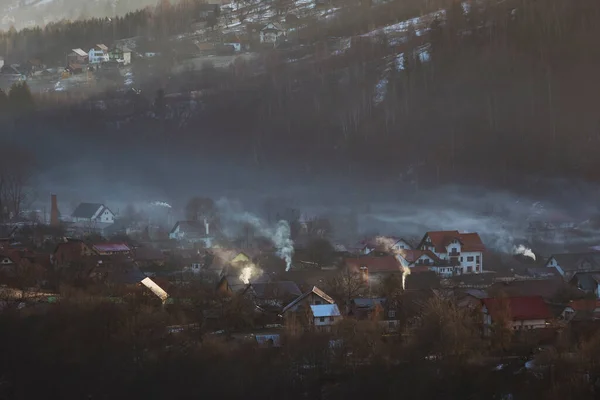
54, 211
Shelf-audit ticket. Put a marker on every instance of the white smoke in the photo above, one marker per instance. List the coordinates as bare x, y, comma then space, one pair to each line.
283, 242
247, 273
161, 204
526, 251
388, 244
279, 235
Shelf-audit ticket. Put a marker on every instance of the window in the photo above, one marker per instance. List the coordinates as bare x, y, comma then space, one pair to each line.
470, 259
322, 319
317, 302
461, 259
469, 269
476, 269
477, 259
392, 314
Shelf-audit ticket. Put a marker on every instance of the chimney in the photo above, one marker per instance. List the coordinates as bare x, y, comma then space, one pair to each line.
206, 227
54, 211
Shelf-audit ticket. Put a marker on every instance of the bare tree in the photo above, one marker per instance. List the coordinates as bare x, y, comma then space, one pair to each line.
347, 285
16, 168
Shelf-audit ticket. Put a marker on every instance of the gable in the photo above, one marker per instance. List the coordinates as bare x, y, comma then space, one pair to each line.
241, 258
87, 210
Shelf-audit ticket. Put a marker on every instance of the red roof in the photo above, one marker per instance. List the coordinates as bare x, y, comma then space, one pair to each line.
521, 308
441, 239
471, 242
584, 305
375, 264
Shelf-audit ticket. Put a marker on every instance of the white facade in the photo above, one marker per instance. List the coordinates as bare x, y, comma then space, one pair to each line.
102, 214
462, 262
97, 56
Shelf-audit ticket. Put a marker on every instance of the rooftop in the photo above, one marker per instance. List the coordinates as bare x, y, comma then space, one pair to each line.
325, 310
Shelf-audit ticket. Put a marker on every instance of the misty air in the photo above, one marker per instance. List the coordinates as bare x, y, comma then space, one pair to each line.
299, 199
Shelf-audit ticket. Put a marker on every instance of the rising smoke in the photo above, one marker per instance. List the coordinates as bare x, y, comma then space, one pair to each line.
388, 244
527, 252
279, 235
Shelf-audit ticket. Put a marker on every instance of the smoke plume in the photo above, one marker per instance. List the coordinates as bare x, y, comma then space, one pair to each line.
279, 235
527, 252
388, 244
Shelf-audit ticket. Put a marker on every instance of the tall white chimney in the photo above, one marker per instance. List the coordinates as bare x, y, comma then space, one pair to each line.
206, 227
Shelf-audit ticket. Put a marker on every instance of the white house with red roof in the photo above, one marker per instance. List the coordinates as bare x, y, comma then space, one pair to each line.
462, 251
425, 258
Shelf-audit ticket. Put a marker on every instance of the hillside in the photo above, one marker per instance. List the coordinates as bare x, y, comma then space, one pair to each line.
30, 13
484, 92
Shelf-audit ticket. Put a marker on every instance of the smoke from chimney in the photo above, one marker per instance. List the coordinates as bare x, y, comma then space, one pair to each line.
54, 221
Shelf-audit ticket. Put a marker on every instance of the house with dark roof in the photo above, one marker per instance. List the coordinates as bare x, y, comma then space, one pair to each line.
569, 264
378, 309
520, 313
545, 288
93, 212
192, 231
588, 282
305, 312
464, 251
374, 265
274, 294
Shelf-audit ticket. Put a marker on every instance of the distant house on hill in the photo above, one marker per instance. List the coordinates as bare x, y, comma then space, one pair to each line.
271, 33
77, 57
93, 212
192, 231
98, 54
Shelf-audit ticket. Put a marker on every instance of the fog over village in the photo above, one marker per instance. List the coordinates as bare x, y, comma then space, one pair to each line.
328, 199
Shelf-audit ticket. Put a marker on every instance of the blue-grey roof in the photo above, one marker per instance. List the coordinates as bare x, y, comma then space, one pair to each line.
276, 289
86, 210
325, 310
367, 303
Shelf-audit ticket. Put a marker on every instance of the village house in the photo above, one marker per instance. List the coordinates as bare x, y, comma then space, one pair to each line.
324, 317
369, 245
120, 54
98, 54
463, 251
273, 295
271, 33
93, 212
377, 309
374, 267
581, 310
569, 264
72, 250
520, 313
588, 282
425, 258
193, 232
298, 316
77, 57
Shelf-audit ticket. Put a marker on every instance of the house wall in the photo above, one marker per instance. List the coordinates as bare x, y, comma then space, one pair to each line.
327, 321
311, 300
97, 56
469, 263
127, 58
